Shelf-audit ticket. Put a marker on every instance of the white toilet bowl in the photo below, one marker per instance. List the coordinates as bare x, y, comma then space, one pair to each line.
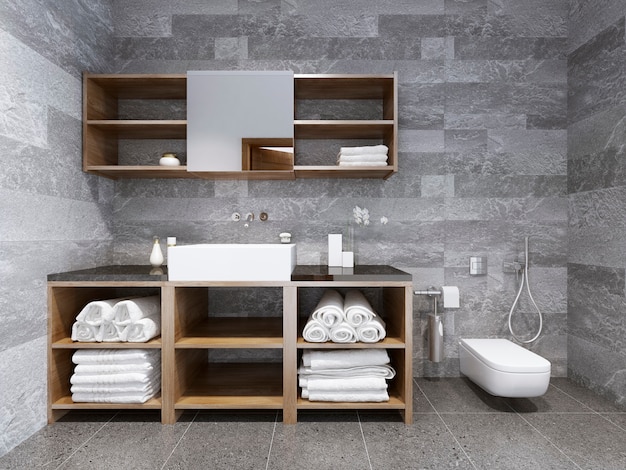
503, 368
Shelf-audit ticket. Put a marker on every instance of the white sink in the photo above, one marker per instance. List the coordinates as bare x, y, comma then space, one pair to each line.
231, 262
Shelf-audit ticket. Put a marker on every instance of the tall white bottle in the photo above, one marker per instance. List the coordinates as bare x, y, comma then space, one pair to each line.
156, 257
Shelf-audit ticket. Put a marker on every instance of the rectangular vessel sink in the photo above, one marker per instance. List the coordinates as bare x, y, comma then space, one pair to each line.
231, 262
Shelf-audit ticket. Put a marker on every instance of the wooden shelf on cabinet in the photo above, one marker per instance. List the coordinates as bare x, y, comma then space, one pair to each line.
234, 333
67, 343
387, 343
66, 403
394, 403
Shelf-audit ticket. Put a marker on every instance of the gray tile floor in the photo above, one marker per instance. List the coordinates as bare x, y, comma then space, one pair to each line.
456, 425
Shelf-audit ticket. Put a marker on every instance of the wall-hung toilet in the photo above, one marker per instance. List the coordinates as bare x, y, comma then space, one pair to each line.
503, 368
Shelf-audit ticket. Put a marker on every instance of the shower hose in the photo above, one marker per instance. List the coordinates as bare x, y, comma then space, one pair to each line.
519, 292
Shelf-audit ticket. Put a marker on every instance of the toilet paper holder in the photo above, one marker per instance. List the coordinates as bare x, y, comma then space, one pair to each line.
435, 327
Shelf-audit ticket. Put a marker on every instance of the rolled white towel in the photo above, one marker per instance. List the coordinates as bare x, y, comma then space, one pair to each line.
343, 358
374, 164
143, 330
345, 383
315, 332
329, 310
357, 308
131, 310
113, 379
84, 332
116, 356
95, 369
364, 150
97, 311
347, 396
371, 331
372, 157
343, 333
385, 371
108, 333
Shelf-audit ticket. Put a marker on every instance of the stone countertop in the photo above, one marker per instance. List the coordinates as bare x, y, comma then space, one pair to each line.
142, 273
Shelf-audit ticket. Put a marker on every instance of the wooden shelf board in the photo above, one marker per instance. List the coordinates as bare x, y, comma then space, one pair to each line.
66, 403
334, 171
342, 86
67, 343
235, 385
343, 129
387, 343
251, 332
393, 403
141, 129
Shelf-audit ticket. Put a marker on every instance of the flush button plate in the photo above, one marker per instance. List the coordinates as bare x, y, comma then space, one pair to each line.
478, 265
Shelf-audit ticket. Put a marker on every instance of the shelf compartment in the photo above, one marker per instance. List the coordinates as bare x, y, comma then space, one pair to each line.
141, 129
236, 332
234, 386
343, 129
343, 86
66, 403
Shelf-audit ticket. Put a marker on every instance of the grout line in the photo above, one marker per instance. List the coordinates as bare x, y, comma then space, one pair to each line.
85, 443
588, 407
545, 437
446, 425
179, 440
269, 452
367, 454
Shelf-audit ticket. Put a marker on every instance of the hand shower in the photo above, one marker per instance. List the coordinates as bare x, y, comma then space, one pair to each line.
519, 292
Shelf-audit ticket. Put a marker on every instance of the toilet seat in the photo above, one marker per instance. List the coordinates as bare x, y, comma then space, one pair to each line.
505, 356
503, 368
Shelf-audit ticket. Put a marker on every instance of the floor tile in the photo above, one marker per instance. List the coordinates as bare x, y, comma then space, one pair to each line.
459, 395
320, 441
426, 444
504, 441
225, 440
588, 439
618, 419
554, 400
420, 402
584, 395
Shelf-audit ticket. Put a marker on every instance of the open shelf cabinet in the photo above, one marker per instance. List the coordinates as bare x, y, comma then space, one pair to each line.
106, 125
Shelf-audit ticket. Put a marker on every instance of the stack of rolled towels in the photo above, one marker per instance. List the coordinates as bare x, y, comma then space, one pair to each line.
345, 375
369, 155
344, 320
134, 320
116, 375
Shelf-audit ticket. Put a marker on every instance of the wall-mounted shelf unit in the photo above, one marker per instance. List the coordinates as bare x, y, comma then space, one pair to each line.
105, 126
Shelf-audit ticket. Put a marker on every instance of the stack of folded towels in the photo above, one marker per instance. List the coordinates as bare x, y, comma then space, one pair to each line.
134, 320
344, 320
369, 155
354, 375
115, 375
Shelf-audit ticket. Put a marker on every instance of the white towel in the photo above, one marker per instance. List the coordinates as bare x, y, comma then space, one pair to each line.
113, 379
367, 149
142, 330
85, 332
343, 333
357, 308
329, 310
128, 311
131, 387
385, 371
108, 333
372, 331
372, 157
315, 332
97, 311
94, 369
363, 164
343, 384
344, 358
347, 396
116, 356
126, 397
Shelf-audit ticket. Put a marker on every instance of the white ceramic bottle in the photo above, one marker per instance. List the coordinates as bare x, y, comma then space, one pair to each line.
156, 257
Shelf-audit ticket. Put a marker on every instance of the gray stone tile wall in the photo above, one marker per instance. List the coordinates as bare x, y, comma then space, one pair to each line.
482, 139
54, 216
596, 349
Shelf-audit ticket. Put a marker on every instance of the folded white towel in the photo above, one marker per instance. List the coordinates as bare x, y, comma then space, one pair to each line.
376, 164
315, 332
127, 397
84, 332
113, 379
97, 311
130, 387
347, 396
116, 356
131, 310
372, 331
343, 333
344, 358
345, 384
385, 371
142, 330
94, 369
357, 308
329, 310
372, 157
364, 150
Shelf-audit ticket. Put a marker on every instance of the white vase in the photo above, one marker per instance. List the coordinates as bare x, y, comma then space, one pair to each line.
156, 257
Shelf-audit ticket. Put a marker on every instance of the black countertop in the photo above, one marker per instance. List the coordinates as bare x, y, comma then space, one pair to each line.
138, 273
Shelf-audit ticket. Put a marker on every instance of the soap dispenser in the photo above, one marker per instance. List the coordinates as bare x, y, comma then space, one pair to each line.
156, 257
